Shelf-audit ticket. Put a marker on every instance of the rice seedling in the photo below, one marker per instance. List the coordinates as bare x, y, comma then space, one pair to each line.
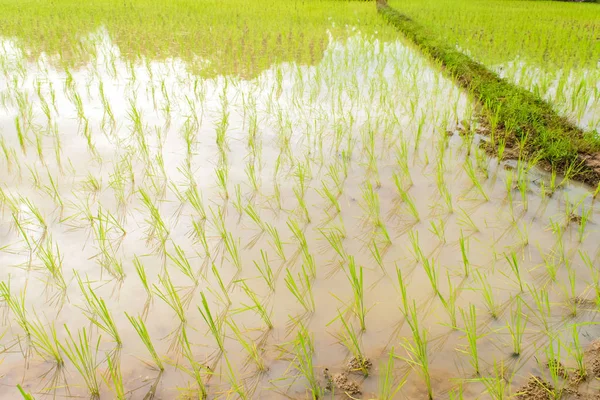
464, 251
45, 342
488, 294
232, 248
254, 353
449, 302
576, 350
301, 289
183, 264
417, 352
196, 369
256, 305
170, 295
215, 326
97, 311
116, 377
24, 394
351, 341
82, 354
355, 277
387, 387
142, 331
52, 259
303, 350
516, 326
16, 304
514, 266
470, 330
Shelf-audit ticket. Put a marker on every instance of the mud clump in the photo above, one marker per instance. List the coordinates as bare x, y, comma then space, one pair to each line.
535, 389
342, 382
359, 364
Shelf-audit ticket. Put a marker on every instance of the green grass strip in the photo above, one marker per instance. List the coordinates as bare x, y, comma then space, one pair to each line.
522, 119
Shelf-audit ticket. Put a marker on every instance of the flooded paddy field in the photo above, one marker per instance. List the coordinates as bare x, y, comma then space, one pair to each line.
323, 225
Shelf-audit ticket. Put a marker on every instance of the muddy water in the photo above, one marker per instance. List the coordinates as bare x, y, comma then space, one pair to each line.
356, 112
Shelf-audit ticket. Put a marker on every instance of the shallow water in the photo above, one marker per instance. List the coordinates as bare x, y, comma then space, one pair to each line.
353, 118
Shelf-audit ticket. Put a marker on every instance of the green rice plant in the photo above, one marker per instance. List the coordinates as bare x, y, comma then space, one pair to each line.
408, 200
488, 295
377, 257
16, 304
275, 241
21, 135
142, 331
576, 350
449, 302
237, 199
116, 377
252, 178
299, 235
355, 277
141, 272
557, 371
497, 385
387, 388
465, 220
171, 297
200, 234
266, 272
254, 353
222, 174
83, 357
215, 326
255, 217
256, 305
350, 340
232, 248
430, 270
301, 289
303, 350
196, 368
97, 312
330, 197
464, 251
24, 394
50, 256
183, 264
438, 230
514, 266
26, 238
470, 331
413, 236
302, 203
403, 293
417, 353
335, 238
157, 227
516, 326
542, 306
584, 219
45, 342
468, 168
194, 197
572, 290
224, 290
